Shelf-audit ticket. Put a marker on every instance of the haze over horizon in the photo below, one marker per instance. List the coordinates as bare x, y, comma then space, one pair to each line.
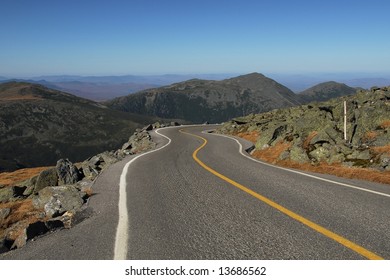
188, 37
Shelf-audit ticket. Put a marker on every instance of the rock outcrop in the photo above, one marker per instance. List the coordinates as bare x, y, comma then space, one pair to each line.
314, 133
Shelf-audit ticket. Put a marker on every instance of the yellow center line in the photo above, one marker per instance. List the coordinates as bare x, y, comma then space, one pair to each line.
343, 241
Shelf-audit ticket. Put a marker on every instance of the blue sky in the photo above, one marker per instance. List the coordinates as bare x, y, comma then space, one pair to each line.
159, 37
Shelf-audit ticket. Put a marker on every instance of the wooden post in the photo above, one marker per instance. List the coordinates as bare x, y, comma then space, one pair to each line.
345, 120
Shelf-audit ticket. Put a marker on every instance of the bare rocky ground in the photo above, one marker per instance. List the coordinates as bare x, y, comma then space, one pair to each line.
311, 137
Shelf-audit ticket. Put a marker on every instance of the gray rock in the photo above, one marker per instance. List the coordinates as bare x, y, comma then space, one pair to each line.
63, 221
322, 137
67, 173
299, 155
285, 155
57, 200
6, 193
320, 154
46, 178
148, 127
109, 158
126, 146
385, 160
336, 158
360, 155
4, 212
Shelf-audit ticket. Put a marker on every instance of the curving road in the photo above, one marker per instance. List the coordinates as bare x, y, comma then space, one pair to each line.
198, 197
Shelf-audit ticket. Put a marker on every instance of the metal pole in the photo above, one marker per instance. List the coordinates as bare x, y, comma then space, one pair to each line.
345, 120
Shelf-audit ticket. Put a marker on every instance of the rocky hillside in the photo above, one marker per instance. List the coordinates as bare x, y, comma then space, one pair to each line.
39, 125
56, 196
198, 101
312, 135
325, 91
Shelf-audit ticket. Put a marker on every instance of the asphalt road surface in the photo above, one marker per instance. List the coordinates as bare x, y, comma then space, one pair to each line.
198, 197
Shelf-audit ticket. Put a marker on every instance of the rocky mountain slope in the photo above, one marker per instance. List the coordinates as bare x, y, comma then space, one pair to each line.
312, 135
39, 125
203, 100
325, 91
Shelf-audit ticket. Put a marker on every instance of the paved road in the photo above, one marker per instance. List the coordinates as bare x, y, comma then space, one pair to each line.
230, 208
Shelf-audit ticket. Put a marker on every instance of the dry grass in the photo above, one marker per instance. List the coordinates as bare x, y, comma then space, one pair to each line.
88, 191
272, 154
10, 178
250, 136
19, 211
342, 171
385, 124
308, 139
381, 149
370, 135
22, 97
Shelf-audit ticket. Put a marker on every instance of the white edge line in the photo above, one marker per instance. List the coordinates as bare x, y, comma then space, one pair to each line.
297, 172
122, 231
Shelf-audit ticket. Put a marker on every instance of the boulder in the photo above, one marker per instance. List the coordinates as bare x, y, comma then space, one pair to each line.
57, 200
360, 155
320, 154
67, 173
64, 221
46, 178
4, 213
322, 137
6, 193
297, 154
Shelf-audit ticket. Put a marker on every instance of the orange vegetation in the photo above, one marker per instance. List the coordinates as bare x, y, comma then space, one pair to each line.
250, 136
9, 178
370, 135
272, 153
308, 139
22, 97
341, 171
22, 210
385, 124
381, 149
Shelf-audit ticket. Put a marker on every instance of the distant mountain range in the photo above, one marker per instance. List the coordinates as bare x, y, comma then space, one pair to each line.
38, 126
101, 88
204, 100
